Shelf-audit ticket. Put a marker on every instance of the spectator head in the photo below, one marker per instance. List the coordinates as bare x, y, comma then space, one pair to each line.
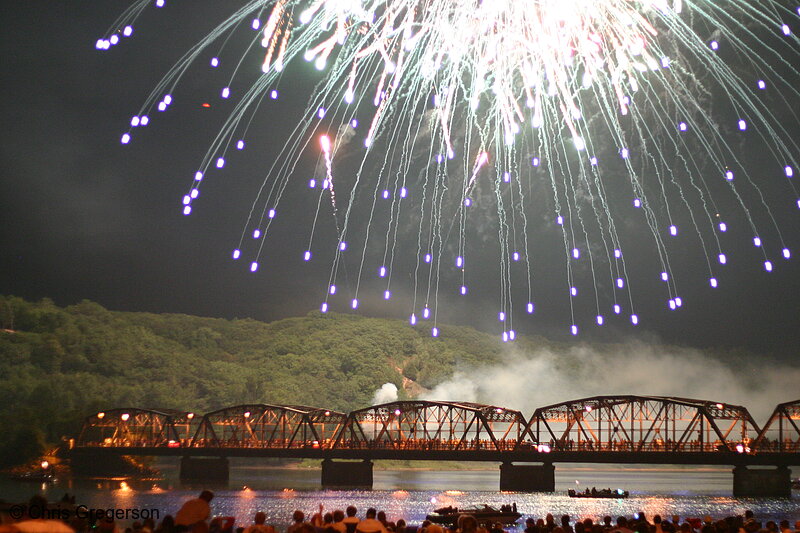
260, 518
748, 514
381, 516
657, 519
530, 522
607, 521
206, 495
401, 523
565, 520
467, 523
622, 521
370, 513
351, 510
435, 528
338, 515
548, 518
298, 516
579, 527
328, 518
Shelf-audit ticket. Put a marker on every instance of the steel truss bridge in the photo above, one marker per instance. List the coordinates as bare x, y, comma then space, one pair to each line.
600, 429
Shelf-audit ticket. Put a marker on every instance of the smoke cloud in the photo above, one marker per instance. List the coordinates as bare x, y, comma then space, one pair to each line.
525, 381
387, 393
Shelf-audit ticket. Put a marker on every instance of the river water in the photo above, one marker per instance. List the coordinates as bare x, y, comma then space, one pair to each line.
411, 494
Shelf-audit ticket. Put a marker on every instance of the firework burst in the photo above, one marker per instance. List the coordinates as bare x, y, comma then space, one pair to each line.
630, 115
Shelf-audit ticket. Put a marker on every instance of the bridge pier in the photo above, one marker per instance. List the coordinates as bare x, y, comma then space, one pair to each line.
205, 469
346, 473
528, 478
775, 482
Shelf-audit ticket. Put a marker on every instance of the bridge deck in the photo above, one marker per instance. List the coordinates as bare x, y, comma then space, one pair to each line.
516, 456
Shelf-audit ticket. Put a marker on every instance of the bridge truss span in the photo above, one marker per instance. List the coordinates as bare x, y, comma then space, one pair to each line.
781, 433
137, 428
640, 424
432, 426
281, 427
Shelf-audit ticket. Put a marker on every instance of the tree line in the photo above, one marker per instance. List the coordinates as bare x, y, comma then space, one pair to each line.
58, 364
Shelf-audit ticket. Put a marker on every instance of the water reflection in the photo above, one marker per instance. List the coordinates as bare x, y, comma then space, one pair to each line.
409, 494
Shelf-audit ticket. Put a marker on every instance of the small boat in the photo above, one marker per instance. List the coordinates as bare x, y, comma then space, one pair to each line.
507, 514
604, 493
36, 477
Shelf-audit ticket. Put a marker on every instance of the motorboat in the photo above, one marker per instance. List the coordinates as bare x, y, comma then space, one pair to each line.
507, 514
42, 476
602, 493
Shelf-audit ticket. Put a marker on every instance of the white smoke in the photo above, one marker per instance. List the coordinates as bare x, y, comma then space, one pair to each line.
387, 393
525, 381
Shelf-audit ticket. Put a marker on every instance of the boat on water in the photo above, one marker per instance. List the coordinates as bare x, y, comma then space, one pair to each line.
603, 493
507, 514
35, 477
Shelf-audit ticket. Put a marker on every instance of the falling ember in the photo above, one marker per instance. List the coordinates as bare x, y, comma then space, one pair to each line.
325, 145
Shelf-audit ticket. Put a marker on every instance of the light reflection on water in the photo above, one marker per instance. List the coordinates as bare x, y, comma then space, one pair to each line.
411, 494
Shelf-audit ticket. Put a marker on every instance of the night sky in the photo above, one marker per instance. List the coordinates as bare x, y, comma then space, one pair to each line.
82, 216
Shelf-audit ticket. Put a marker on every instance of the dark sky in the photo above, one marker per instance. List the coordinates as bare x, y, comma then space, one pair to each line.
82, 216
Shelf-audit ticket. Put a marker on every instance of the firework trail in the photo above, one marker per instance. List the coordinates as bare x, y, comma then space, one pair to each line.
612, 107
